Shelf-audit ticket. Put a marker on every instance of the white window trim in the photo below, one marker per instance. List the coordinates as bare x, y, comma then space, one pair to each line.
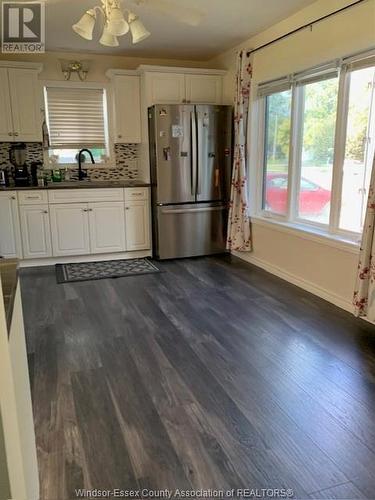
108, 97
323, 233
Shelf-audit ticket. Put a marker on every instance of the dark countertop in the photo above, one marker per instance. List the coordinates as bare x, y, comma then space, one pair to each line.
9, 279
81, 184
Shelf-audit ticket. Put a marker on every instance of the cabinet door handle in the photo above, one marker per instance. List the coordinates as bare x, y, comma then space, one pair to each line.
85, 210
119, 136
16, 134
10, 134
127, 208
12, 197
45, 211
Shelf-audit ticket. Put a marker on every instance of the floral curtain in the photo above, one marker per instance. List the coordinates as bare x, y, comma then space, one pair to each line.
239, 229
364, 294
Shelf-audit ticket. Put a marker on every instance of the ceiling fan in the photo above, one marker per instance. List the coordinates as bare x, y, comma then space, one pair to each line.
119, 20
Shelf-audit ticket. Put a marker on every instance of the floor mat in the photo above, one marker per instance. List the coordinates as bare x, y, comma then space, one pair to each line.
85, 271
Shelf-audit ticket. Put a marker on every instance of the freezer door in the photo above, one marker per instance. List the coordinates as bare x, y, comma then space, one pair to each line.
214, 140
189, 230
173, 162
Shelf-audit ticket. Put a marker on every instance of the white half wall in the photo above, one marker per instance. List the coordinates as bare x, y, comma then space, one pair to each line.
324, 270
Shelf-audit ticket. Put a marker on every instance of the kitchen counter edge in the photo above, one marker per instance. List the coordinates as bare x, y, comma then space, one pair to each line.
77, 185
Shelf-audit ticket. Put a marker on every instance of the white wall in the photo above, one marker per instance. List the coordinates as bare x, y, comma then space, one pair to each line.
320, 268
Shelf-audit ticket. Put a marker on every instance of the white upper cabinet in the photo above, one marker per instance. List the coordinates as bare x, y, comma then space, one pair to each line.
6, 124
165, 88
126, 109
20, 103
25, 103
204, 89
180, 88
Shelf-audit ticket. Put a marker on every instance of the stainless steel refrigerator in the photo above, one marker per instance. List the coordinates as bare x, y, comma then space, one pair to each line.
191, 159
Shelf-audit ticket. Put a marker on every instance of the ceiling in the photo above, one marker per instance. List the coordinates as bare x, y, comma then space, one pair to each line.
225, 24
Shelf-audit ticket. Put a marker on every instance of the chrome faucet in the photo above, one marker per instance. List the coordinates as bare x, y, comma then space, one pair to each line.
81, 173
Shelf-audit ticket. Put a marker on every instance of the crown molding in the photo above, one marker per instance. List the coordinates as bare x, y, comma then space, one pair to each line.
177, 69
111, 73
22, 65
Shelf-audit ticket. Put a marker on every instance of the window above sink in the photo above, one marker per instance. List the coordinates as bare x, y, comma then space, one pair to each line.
68, 156
76, 118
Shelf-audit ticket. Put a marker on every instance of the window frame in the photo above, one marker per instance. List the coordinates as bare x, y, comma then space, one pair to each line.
107, 105
332, 229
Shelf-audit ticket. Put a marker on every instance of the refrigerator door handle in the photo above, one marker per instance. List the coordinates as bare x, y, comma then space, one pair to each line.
191, 210
200, 133
193, 152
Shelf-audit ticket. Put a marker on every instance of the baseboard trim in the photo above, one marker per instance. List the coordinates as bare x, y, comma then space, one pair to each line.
309, 286
51, 261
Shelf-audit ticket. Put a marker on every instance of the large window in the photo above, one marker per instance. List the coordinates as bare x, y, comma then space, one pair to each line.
76, 118
318, 146
319, 103
276, 157
359, 148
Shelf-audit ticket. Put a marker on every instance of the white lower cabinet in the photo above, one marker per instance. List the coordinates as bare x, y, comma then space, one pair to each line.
107, 227
10, 235
70, 229
53, 226
36, 231
137, 225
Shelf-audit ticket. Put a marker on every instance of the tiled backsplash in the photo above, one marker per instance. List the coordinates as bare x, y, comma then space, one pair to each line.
34, 153
126, 159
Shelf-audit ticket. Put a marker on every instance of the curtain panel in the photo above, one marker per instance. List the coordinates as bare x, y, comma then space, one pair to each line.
239, 229
364, 294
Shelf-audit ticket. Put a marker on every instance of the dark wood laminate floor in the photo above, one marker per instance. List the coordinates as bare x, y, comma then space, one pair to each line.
212, 374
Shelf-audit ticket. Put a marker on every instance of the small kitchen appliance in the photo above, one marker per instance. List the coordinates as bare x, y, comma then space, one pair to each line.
17, 157
4, 178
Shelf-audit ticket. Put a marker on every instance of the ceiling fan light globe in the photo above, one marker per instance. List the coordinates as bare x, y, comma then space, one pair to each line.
107, 39
138, 30
118, 28
85, 25
116, 23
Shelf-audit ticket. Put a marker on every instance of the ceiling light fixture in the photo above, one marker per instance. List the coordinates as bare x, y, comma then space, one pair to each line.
108, 39
115, 24
137, 29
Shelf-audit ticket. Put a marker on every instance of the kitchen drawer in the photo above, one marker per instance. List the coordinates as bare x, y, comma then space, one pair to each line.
136, 194
79, 195
32, 197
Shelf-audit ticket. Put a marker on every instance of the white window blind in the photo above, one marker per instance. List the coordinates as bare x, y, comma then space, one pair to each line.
274, 86
76, 117
317, 74
358, 62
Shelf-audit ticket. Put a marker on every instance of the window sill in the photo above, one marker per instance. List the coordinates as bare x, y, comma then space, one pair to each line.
309, 233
